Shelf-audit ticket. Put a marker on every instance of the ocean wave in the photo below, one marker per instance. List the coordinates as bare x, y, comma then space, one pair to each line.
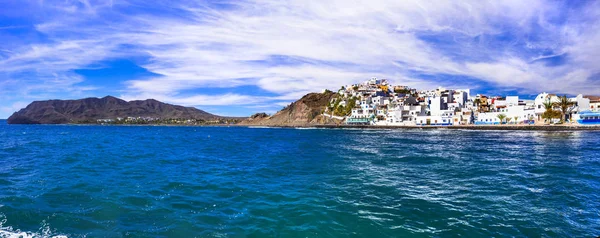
306, 128
22, 234
10, 232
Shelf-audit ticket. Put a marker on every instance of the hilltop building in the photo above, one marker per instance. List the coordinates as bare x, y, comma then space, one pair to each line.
377, 102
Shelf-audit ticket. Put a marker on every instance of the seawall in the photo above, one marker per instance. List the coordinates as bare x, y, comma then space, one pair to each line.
473, 127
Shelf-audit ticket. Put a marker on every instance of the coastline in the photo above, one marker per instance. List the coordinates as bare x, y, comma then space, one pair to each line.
367, 127
462, 127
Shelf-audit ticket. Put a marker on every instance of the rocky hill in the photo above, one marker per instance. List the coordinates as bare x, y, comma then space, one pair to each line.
304, 112
91, 109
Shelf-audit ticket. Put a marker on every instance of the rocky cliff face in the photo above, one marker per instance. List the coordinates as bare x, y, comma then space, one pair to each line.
91, 109
304, 112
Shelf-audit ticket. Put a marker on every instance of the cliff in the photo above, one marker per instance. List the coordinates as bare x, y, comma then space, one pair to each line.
304, 112
91, 109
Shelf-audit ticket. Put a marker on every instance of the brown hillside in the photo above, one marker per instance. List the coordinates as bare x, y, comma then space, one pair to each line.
304, 112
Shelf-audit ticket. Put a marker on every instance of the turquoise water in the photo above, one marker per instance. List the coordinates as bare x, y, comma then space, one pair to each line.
155, 181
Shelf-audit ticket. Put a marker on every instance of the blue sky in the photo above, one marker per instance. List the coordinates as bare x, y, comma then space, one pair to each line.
241, 57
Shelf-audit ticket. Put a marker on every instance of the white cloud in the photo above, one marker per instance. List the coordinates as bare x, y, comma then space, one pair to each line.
292, 47
201, 99
14, 107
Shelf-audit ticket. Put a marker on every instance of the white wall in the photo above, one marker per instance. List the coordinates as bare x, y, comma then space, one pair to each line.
435, 106
583, 104
510, 112
512, 100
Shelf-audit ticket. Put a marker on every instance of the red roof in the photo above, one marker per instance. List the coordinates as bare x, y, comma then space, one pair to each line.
592, 98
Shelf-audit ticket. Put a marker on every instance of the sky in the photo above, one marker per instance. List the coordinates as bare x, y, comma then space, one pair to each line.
240, 57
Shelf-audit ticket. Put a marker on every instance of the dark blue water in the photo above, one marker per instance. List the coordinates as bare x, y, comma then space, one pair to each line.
138, 181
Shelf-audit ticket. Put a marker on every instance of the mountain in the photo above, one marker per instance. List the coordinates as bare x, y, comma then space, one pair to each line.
91, 109
304, 112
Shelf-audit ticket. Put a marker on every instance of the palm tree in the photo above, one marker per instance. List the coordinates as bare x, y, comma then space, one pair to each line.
516, 119
565, 106
508, 120
549, 109
501, 117
548, 105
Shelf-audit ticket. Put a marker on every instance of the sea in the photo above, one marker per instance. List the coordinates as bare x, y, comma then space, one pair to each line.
184, 181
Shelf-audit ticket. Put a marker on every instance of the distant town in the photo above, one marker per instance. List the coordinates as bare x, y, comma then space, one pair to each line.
376, 102
159, 121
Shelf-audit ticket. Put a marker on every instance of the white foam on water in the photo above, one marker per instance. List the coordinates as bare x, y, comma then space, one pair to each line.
306, 128
10, 232
20, 234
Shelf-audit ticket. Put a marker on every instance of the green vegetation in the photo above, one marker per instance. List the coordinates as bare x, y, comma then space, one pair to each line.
550, 113
402, 91
340, 111
565, 106
350, 104
501, 117
336, 109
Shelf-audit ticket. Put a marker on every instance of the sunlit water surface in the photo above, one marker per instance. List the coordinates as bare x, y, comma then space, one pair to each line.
155, 181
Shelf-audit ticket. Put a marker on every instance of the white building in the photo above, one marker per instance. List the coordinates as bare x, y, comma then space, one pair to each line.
539, 103
512, 101
513, 114
595, 106
434, 120
436, 105
461, 97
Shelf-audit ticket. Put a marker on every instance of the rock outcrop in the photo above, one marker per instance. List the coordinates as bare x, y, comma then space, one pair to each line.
91, 109
305, 112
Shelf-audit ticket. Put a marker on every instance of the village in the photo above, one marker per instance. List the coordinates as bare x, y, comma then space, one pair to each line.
157, 121
376, 102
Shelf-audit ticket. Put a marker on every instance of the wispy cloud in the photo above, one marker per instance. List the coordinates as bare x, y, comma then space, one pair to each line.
202, 100
293, 47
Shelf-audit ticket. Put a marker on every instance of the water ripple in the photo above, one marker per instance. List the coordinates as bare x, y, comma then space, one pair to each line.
179, 182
